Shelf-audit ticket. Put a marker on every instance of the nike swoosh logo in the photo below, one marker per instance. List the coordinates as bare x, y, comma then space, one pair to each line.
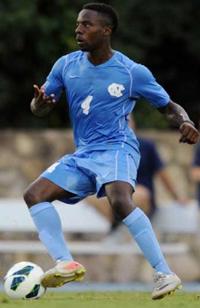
162, 287
73, 76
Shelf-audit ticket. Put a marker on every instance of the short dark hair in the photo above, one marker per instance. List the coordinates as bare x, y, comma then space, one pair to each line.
106, 10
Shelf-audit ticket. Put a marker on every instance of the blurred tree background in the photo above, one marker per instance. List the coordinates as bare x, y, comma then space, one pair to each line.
163, 35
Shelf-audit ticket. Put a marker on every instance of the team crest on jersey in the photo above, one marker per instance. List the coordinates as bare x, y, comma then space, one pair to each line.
115, 89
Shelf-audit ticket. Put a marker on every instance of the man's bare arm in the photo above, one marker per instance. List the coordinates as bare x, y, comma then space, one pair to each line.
179, 118
175, 114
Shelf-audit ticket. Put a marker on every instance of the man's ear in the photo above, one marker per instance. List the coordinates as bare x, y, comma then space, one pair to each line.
107, 30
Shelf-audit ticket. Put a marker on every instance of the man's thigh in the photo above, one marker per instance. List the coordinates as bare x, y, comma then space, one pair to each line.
65, 174
43, 189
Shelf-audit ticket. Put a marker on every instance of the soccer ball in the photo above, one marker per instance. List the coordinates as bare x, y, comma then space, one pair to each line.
22, 281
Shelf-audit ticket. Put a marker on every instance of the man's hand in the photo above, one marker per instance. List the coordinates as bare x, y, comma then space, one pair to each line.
179, 118
41, 104
189, 134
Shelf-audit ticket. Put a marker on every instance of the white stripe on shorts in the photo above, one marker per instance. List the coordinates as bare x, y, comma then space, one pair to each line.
128, 171
116, 164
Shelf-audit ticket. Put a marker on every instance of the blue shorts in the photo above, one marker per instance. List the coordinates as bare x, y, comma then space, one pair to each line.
85, 173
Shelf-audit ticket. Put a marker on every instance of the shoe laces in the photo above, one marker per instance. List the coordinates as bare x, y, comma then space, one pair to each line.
159, 278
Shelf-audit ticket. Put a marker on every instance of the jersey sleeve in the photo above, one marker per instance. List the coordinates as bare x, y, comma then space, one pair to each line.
144, 85
54, 81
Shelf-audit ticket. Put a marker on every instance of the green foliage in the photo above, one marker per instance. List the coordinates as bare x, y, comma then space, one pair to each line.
147, 117
164, 35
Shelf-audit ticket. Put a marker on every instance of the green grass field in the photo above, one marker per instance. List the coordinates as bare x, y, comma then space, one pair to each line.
105, 300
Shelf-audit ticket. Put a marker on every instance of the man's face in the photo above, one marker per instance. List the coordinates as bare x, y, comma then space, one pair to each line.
91, 30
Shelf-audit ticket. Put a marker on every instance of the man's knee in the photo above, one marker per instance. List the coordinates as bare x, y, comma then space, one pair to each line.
41, 190
119, 195
117, 201
122, 205
31, 197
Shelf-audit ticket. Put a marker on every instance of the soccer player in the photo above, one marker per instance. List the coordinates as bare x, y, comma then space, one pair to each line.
102, 86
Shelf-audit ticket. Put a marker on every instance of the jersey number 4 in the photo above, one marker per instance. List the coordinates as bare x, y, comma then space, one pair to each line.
86, 104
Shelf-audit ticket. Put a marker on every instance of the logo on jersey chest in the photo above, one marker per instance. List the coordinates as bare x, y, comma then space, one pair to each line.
116, 89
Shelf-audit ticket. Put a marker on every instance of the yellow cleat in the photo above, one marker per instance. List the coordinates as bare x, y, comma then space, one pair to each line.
62, 273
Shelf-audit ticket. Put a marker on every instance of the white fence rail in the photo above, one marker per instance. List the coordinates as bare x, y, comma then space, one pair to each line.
83, 218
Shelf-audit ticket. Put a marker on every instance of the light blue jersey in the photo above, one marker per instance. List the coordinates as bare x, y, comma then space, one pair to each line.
100, 99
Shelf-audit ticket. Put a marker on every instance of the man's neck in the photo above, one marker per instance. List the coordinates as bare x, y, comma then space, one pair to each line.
100, 56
